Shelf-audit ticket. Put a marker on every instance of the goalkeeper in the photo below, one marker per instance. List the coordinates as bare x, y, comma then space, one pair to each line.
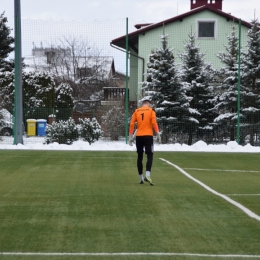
145, 118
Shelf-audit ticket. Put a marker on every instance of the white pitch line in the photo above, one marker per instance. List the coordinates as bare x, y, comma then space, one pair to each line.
127, 254
218, 170
243, 194
238, 205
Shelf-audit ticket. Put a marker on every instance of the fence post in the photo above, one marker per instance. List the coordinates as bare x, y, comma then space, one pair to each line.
126, 86
18, 122
238, 83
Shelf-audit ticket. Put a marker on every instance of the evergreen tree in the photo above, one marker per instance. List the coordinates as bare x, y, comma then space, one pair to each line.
6, 47
251, 80
38, 95
114, 122
163, 87
198, 76
64, 101
7, 90
90, 130
227, 99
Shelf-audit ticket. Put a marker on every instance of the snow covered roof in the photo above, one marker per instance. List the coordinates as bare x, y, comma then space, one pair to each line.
104, 63
36, 63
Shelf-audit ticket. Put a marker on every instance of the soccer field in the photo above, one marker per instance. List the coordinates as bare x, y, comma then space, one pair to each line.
90, 205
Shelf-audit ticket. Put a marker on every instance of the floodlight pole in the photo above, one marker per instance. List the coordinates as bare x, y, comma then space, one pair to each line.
18, 106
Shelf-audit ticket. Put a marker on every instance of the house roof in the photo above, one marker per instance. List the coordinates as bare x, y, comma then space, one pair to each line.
133, 37
105, 64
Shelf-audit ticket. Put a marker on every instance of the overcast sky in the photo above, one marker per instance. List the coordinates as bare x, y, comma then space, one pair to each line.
102, 20
138, 10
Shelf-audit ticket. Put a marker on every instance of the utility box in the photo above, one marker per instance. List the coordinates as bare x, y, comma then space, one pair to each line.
41, 127
31, 127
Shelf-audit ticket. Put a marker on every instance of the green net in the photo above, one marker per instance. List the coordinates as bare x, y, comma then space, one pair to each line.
76, 70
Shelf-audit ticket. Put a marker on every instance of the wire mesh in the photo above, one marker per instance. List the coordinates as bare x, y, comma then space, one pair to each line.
71, 72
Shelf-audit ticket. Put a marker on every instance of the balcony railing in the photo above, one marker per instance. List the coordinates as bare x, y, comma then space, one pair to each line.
115, 94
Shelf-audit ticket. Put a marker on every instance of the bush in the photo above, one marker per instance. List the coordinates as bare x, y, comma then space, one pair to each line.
66, 132
90, 130
114, 122
63, 132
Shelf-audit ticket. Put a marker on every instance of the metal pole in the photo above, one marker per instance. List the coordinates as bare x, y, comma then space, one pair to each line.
18, 107
238, 84
126, 86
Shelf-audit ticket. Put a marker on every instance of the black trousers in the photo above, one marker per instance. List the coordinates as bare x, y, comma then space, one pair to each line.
144, 143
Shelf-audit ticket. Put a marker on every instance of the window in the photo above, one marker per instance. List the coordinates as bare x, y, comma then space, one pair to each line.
206, 29
84, 72
50, 56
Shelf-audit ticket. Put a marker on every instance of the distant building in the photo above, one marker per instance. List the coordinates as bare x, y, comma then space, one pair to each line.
205, 18
91, 69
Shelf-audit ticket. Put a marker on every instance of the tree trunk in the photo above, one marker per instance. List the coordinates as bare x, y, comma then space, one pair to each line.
190, 138
252, 136
232, 133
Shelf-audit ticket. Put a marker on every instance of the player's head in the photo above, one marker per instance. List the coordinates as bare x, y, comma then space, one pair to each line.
146, 102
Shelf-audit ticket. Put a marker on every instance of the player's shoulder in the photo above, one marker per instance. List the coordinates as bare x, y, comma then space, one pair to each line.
144, 108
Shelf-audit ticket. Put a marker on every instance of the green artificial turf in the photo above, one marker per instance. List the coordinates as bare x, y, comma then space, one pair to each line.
92, 202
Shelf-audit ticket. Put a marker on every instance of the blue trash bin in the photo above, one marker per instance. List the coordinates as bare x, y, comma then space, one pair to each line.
41, 127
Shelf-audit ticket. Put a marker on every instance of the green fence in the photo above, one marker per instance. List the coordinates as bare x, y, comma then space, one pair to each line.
71, 71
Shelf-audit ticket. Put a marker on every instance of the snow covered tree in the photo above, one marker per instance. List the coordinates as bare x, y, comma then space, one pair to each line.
251, 80
6, 47
164, 88
90, 130
114, 122
7, 90
39, 89
41, 97
226, 104
63, 132
197, 76
63, 101
38, 94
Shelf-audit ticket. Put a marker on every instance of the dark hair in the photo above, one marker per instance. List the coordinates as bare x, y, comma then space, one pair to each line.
146, 100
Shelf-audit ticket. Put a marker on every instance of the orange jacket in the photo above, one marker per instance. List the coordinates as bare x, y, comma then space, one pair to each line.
146, 121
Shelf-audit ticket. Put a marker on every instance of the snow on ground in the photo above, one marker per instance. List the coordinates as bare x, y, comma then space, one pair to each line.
36, 143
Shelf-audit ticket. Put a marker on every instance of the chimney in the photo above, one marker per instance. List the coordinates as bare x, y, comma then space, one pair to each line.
217, 4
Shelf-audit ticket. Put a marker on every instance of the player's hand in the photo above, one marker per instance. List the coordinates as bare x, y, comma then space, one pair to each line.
158, 138
130, 141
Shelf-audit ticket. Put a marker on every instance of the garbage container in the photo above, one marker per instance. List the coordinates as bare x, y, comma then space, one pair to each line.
31, 127
41, 127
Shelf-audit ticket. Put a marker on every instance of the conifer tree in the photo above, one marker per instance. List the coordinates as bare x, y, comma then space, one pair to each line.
228, 89
164, 88
64, 101
6, 42
251, 80
198, 76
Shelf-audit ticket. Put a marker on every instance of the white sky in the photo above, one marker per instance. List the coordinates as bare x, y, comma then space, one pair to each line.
106, 19
114, 12
139, 10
